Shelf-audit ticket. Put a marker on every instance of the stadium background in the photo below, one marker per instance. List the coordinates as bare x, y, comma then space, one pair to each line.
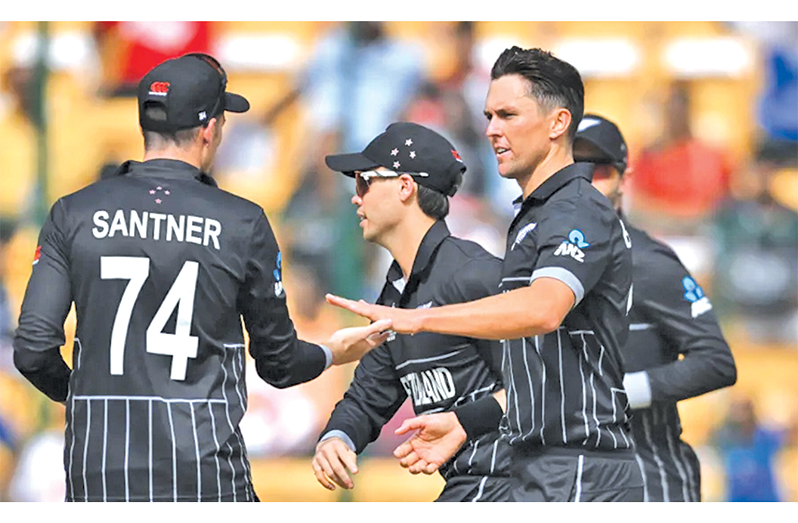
67, 117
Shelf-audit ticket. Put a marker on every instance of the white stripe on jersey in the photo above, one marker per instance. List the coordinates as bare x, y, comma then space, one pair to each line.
149, 413
531, 387
679, 467
645, 479
216, 456
661, 469
562, 390
584, 387
580, 466
127, 449
72, 449
86, 451
640, 326
481, 488
227, 413
242, 403
196, 448
174, 453
105, 444
434, 358
543, 391
149, 398
513, 390
595, 416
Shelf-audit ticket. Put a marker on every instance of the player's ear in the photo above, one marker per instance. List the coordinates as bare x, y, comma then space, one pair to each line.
209, 131
560, 120
407, 187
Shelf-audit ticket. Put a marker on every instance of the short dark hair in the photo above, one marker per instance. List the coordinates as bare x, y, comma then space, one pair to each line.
157, 140
433, 203
553, 82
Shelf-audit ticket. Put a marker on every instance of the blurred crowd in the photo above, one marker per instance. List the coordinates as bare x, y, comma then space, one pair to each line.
714, 155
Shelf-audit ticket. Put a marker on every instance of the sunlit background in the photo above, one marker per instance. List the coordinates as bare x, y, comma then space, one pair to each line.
709, 110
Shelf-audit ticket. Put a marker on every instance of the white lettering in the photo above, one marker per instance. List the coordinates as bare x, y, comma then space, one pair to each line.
697, 308
140, 224
118, 224
101, 223
156, 226
212, 230
175, 228
194, 226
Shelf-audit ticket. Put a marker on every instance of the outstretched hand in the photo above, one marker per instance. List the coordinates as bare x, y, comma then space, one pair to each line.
352, 343
405, 321
438, 438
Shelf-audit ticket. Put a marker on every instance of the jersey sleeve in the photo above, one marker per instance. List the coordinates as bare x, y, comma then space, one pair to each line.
668, 297
48, 297
280, 357
574, 245
373, 397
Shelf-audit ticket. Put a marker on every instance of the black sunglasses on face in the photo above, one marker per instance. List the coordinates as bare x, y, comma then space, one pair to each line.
363, 179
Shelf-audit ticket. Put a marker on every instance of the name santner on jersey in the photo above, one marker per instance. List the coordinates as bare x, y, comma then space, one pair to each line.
157, 226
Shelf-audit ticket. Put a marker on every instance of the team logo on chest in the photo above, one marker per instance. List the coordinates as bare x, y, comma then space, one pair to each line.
429, 386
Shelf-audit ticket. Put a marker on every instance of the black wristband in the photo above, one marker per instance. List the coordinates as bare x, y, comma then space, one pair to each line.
479, 417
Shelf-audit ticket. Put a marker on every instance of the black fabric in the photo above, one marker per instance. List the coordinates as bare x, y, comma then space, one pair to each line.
675, 337
407, 147
479, 417
485, 489
436, 372
566, 387
161, 268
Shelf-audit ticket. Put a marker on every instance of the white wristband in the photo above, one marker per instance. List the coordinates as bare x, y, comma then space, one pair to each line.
638, 389
327, 356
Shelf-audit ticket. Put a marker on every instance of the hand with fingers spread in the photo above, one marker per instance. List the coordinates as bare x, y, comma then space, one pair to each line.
405, 321
330, 464
352, 343
438, 438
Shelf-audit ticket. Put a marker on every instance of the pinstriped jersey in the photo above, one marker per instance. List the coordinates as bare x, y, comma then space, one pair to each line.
671, 317
565, 388
161, 266
436, 372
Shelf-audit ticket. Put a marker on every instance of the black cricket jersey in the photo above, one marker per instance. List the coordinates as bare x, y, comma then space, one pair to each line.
436, 371
565, 388
675, 338
161, 266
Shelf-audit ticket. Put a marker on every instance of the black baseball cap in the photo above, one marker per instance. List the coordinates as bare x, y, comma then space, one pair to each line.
191, 89
407, 148
598, 140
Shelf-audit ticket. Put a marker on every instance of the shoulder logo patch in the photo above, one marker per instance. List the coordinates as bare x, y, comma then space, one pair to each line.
573, 246
699, 303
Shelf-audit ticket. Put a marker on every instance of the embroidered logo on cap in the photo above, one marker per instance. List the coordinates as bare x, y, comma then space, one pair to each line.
159, 88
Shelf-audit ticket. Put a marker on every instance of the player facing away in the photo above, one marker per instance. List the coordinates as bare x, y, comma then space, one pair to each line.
162, 266
561, 311
675, 349
403, 181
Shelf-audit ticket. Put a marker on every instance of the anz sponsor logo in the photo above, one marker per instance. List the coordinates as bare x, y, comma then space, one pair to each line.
699, 303
278, 276
573, 246
429, 386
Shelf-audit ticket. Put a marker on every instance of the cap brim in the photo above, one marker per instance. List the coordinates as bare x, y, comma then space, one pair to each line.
349, 163
598, 152
235, 103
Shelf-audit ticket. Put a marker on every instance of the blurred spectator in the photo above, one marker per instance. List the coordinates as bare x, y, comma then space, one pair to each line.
130, 49
7, 319
748, 449
680, 180
358, 80
756, 260
777, 108
453, 104
18, 152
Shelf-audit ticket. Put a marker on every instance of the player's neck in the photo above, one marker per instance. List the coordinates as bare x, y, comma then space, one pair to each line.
191, 155
406, 240
558, 158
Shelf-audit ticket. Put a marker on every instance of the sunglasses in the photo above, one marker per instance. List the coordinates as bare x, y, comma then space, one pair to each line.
363, 179
213, 62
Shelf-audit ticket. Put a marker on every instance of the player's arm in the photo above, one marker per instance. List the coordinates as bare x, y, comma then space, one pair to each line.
40, 331
374, 396
668, 299
558, 283
282, 359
